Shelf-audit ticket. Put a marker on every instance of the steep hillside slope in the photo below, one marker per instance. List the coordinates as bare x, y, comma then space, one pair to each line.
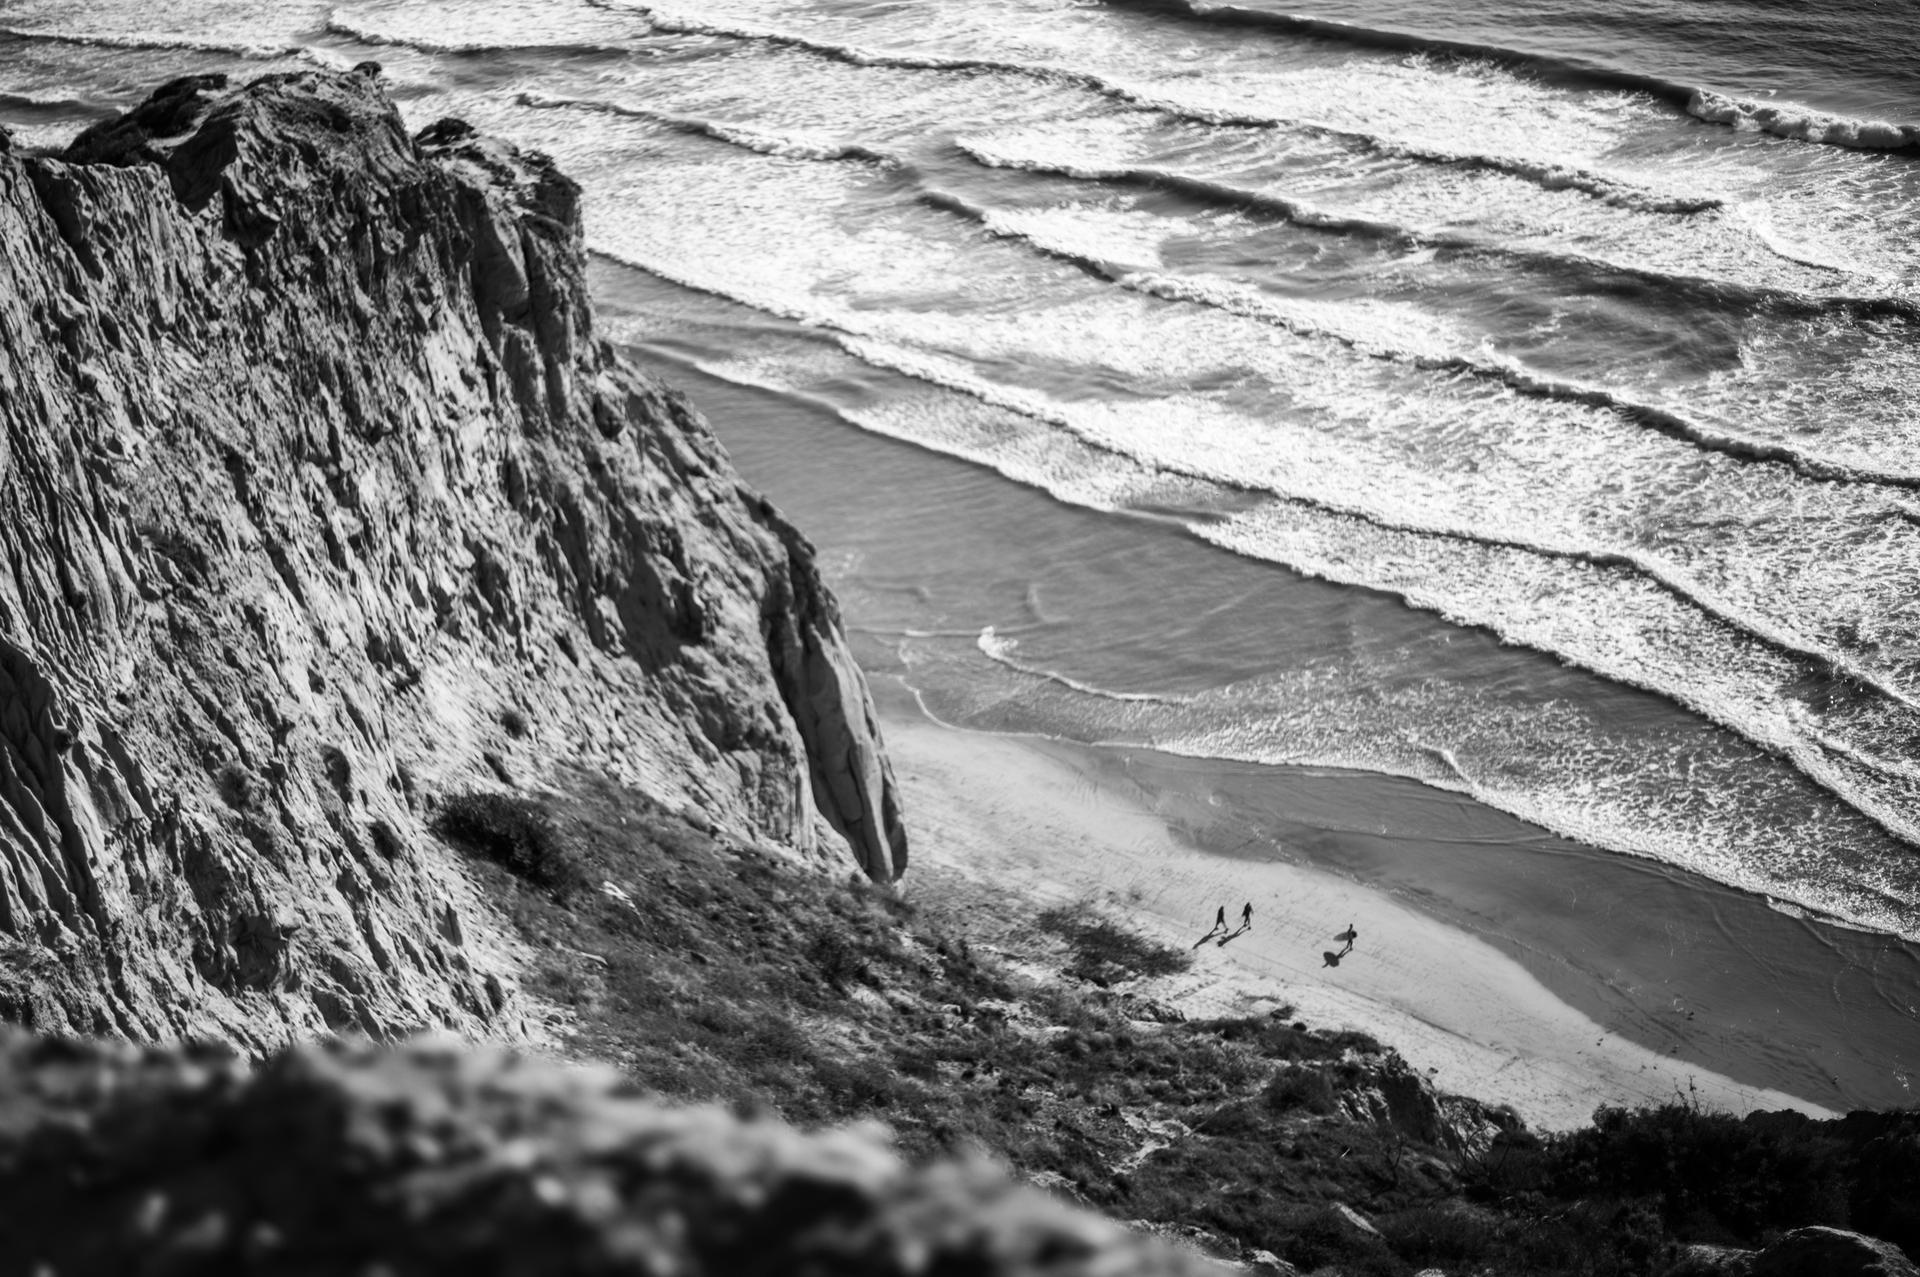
319, 501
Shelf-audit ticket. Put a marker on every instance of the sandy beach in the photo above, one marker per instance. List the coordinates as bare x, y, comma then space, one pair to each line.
1041, 820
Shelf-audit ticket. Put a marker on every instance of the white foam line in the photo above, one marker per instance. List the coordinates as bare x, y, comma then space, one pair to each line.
1609, 189
857, 340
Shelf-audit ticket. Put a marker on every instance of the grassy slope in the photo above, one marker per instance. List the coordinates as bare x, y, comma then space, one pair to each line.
711, 971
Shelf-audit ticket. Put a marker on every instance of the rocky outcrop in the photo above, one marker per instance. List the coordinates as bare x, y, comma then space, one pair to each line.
334, 1161
1832, 1252
1380, 1087
1803, 1252
319, 498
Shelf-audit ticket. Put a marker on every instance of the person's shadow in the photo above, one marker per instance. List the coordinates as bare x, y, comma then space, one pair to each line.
1332, 959
1235, 935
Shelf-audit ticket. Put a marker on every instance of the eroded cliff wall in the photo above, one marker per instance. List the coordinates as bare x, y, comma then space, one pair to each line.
319, 499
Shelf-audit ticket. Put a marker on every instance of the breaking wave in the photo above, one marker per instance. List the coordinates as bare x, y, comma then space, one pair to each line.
29, 105
1733, 294
250, 50
734, 135
996, 647
1799, 123
339, 25
1249, 303
1803, 124
1546, 175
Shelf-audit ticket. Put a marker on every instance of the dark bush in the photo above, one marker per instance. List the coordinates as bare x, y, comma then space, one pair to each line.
517, 833
565, 984
1277, 1040
1445, 1235
839, 961
1105, 952
1515, 1166
1585, 1239
857, 1087
773, 1039
1886, 1179
1712, 1177
1301, 1086
917, 1062
1708, 1172
237, 787
1320, 1237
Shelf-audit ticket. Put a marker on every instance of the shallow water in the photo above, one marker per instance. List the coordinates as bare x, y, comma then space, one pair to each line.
1523, 394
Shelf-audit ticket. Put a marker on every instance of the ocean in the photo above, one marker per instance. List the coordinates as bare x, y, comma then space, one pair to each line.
1509, 407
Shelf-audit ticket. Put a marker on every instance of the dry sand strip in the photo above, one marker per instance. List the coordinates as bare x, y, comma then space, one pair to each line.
1038, 819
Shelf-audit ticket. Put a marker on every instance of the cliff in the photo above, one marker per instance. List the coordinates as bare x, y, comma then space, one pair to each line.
320, 501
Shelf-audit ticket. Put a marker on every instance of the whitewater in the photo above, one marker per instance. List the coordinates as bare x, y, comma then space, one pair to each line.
1580, 346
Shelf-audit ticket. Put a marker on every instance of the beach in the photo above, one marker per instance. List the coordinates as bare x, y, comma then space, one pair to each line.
1649, 975
1050, 825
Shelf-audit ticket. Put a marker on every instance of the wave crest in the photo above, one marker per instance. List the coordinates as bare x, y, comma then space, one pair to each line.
1803, 124
253, 51
734, 135
1547, 175
1249, 304
26, 102
341, 25
999, 650
1301, 214
1800, 123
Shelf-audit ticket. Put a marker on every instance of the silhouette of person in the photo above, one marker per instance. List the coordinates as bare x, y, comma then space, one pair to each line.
1349, 935
1246, 915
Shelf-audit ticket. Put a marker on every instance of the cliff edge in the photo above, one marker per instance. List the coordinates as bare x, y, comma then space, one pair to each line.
320, 501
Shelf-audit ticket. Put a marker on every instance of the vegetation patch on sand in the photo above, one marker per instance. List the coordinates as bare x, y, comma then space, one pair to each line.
1105, 952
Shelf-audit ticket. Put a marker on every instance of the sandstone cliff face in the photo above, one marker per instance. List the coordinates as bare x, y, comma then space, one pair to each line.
319, 498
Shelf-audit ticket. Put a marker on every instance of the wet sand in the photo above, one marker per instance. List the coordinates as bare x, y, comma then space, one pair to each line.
1058, 824
1686, 967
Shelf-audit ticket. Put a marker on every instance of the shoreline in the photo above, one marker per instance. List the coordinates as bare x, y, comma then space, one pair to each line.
1688, 969
1048, 821
1682, 965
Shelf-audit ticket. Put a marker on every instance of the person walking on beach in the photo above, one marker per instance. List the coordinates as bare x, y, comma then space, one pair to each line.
1246, 916
1349, 935
1219, 927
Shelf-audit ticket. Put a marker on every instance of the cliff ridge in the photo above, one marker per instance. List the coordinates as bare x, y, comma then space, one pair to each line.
322, 501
